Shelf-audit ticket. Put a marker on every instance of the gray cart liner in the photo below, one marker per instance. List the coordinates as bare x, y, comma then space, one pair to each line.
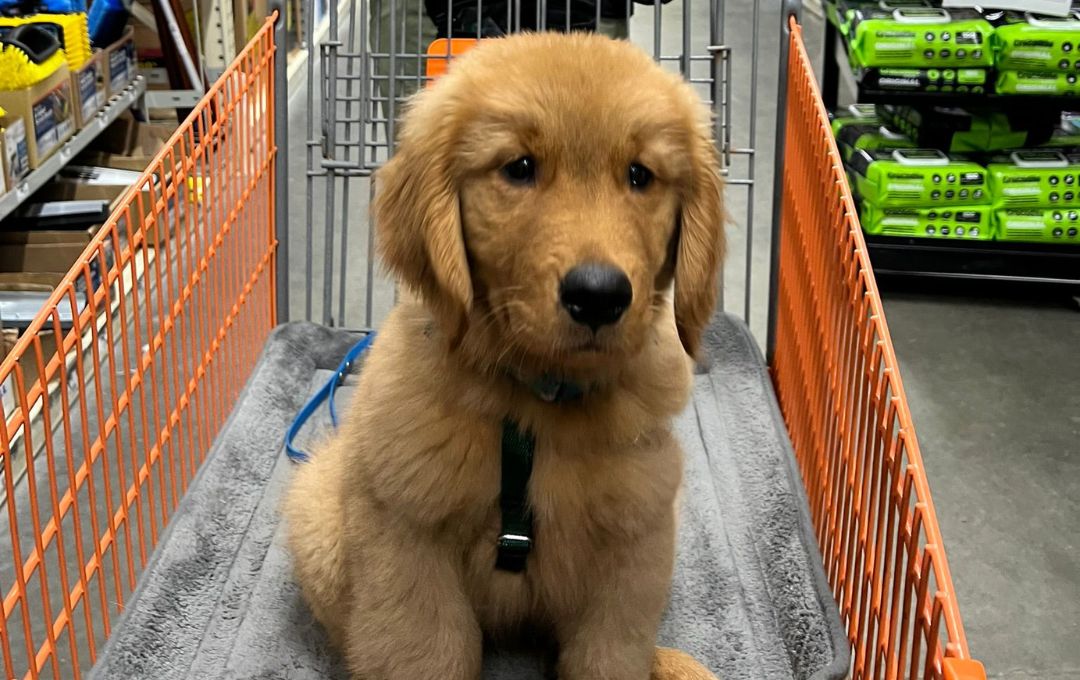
749, 597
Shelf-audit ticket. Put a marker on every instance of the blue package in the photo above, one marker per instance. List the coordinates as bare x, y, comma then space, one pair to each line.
107, 19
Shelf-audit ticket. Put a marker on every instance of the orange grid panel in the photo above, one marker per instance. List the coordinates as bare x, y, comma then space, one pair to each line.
122, 381
839, 387
441, 51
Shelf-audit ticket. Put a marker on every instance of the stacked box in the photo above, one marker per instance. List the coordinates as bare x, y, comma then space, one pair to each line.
841, 12
921, 49
1036, 195
854, 114
931, 80
860, 128
47, 112
970, 222
921, 193
1037, 54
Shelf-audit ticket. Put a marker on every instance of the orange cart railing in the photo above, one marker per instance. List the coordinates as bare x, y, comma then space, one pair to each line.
122, 381
839, 387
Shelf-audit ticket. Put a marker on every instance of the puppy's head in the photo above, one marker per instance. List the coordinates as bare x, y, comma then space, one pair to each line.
545, 194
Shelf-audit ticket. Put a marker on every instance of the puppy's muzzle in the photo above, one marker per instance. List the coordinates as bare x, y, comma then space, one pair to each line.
595, 294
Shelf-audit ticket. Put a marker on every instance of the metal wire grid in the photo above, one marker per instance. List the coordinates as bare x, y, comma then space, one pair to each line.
123, 379
362, 74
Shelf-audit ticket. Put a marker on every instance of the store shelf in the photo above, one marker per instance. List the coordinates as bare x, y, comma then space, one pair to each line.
969, 101
1057, 264
52, 165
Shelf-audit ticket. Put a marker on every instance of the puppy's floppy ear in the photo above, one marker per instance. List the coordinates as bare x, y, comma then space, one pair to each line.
701, 241
418, 214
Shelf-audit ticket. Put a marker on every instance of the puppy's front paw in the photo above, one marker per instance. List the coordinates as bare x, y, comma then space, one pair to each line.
671, 664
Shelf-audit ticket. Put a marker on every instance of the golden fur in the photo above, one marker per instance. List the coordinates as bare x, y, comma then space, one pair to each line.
393, 522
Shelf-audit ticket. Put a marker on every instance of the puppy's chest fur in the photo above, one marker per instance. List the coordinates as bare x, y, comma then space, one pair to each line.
585, 505
586, 500
427, 464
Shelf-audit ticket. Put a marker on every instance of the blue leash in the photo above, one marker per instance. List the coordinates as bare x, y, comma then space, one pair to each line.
325, 392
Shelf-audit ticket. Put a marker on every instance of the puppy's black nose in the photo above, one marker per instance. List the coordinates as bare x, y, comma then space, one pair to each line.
595, 294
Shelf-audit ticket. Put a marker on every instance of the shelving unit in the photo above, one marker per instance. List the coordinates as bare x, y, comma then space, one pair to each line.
11, 200
1033, 263
996, 101
987, 260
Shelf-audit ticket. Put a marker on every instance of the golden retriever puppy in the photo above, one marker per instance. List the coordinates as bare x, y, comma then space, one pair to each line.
555, 204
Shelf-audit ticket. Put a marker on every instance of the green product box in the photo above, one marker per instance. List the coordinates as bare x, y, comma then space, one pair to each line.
942, 80
918, 178
1032, 82
971, 223
856, 114
841, 12
961, 131
869, 137
1038, 225
1067, 135
1062, 138
1030, 42
1035, 178
920, 38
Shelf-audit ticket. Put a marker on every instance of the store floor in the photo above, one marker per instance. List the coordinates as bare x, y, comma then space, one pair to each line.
995, 390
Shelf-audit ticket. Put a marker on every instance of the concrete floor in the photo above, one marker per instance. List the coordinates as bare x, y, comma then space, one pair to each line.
993, 387
992, 384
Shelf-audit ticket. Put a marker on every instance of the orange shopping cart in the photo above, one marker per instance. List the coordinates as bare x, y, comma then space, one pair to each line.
146, 405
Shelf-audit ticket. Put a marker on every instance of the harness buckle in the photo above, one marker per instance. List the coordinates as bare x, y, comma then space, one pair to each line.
513, 550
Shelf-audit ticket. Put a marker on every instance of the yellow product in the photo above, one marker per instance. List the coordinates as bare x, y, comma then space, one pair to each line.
71, 29
17, 70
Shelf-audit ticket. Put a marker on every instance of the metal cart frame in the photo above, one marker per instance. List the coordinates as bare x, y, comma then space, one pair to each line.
116, 390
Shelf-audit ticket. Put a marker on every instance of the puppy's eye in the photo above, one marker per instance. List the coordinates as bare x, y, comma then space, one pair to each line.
521, 171
639, 176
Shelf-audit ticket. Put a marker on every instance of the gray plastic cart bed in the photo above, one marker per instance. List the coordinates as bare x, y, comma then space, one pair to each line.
749, 597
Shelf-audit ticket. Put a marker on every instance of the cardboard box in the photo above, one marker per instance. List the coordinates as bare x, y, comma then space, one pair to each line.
40, 257
42, 285
29, 360
150, 60
127, 144
38, 260
90, 89
9, 396
45, 251
152, 68
120, 62
46, 281
47, 108
16, 160
77, 183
